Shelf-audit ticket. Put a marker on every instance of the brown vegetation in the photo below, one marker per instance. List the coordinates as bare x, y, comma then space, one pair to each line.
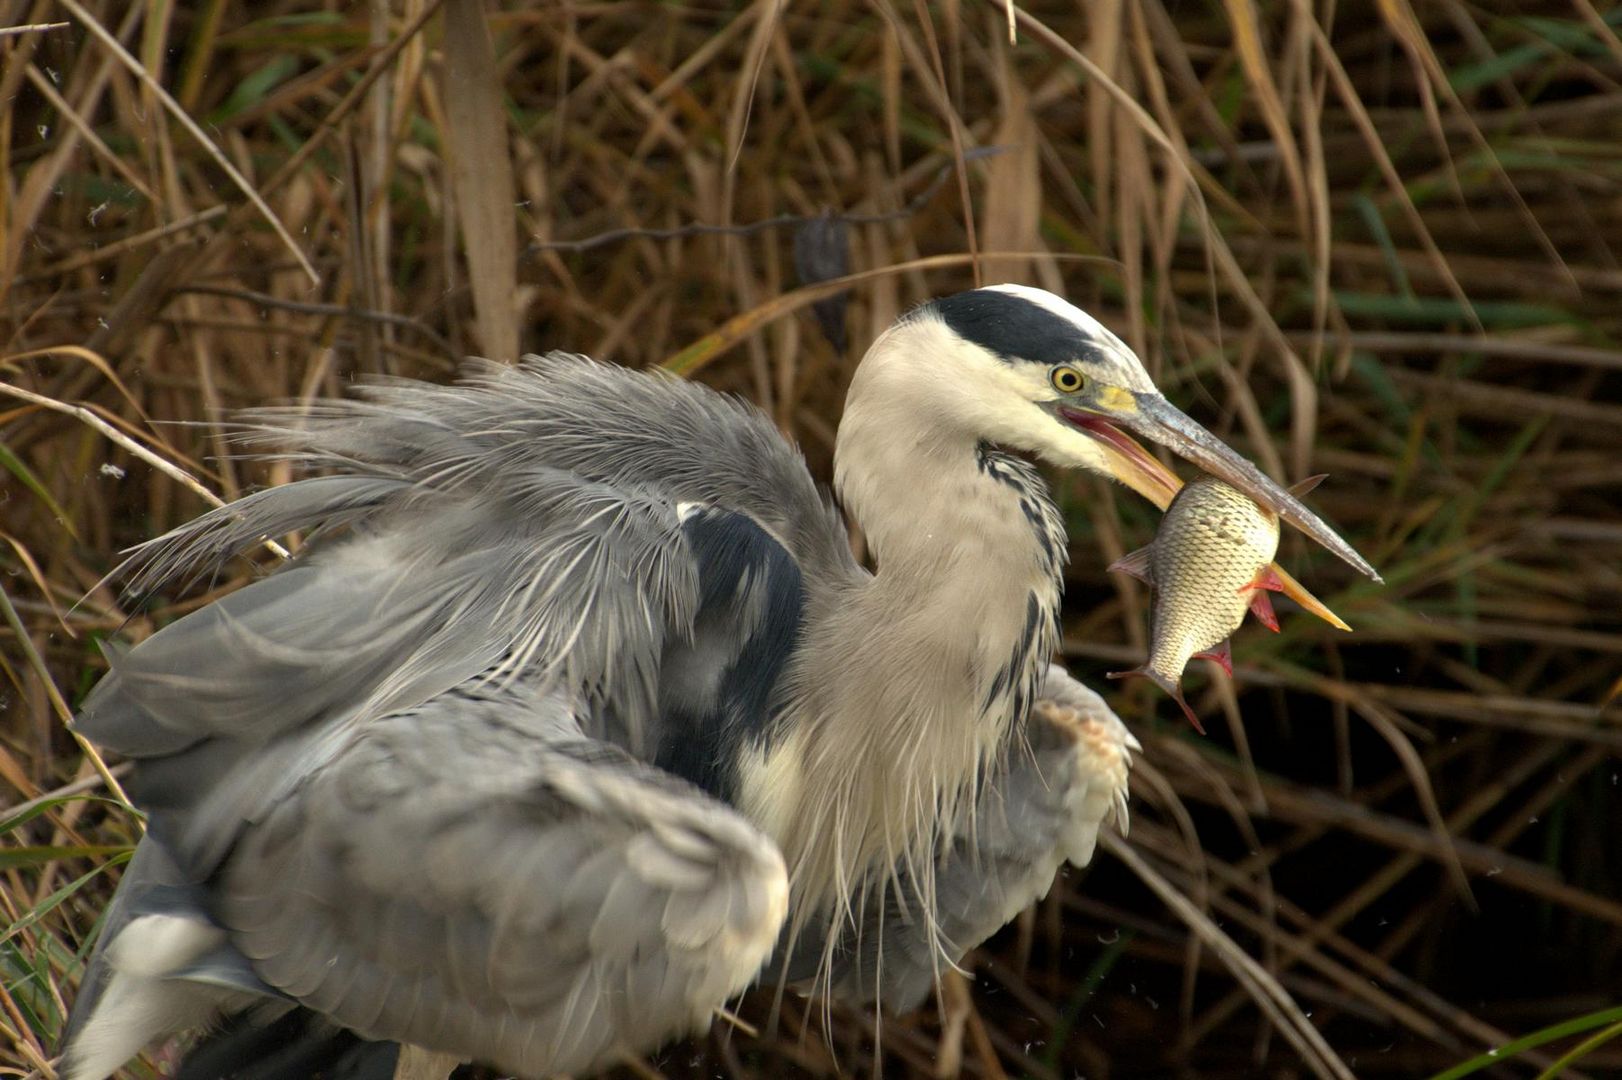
1378, 240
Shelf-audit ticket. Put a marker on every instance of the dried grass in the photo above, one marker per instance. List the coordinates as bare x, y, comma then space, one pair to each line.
1373, 239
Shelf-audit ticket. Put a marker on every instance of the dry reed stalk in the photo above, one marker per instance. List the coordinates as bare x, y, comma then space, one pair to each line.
1384, 246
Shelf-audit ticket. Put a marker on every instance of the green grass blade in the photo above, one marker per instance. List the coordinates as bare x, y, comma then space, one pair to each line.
14, 465
1564, 1029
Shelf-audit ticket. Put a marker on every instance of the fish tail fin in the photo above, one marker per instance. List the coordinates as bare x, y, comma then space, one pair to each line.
1177, 696
1165, 682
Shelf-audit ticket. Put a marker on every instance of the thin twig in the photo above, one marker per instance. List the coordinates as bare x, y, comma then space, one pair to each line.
781, 221
31, 28
77, 787
118, 247
309, 307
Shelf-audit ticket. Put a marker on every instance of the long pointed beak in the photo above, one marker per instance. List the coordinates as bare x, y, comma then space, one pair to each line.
1155, 418
1158, 419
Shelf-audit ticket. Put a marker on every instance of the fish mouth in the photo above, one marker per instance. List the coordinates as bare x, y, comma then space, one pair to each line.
1153, 417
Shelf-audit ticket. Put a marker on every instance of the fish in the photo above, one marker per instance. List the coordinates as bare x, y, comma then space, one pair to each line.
1210, 562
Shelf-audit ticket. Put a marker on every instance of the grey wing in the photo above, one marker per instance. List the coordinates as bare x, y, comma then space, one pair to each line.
502, 891
524, 518
598, 421
436, 583
559, 580
466, 564
1044, 804
449, 881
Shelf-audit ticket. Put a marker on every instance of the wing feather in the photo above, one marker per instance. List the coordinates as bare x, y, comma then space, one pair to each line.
404, 772
451, 958
569, 581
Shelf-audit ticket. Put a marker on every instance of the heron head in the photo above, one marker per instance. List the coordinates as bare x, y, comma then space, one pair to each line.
1030, 371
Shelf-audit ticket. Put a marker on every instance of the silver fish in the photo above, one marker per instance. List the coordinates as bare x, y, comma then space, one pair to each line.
1209, 563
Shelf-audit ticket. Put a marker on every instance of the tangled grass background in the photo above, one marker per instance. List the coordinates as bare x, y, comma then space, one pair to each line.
1375, 239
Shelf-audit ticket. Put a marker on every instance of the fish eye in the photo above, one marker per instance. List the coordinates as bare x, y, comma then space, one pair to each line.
1066, 379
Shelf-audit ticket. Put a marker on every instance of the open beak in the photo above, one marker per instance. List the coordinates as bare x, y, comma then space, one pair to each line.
1155, 418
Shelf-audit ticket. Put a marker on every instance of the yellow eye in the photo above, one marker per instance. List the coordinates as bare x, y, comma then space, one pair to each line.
1066, 379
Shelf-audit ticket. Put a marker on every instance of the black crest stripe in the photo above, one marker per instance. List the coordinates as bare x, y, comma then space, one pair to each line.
1013, 328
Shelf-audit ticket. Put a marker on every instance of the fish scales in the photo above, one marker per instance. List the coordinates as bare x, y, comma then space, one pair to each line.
1210, 548
1206, 563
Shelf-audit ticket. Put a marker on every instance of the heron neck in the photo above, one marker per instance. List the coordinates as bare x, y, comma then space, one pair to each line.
970, 552
944, 515
937, 654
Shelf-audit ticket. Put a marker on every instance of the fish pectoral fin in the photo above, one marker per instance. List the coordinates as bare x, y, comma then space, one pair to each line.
1266, 578
1302, 487
1222, 653
1262, 608
1265, 581
1137, 564
1166, 683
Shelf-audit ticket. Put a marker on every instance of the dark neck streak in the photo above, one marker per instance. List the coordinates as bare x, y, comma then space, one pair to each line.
937, 655
1013, 684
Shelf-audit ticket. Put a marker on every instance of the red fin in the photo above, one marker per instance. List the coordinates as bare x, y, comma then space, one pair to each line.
1223, 653
1170, 686
1262, 608
1266, 578
1136, 563
1302, 487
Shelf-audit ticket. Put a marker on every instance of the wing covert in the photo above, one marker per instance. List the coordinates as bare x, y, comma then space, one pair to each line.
550, 575
720, 688
436, 724
451, 882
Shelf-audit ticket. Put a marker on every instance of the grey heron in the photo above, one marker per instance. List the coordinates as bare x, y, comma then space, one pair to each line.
576, 715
